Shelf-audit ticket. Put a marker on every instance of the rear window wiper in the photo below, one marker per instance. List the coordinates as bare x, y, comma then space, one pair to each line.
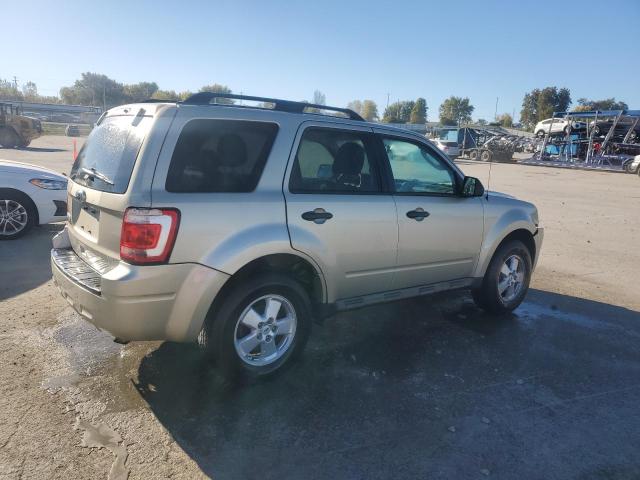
92, 172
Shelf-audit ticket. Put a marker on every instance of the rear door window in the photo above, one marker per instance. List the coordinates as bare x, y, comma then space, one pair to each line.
220, 156
106, 159
334, 161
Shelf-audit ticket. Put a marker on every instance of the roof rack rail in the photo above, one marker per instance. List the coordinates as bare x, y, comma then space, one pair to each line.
157, 100
204, 98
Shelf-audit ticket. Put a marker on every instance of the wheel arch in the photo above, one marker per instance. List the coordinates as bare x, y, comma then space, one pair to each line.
521, 233
302, 269
26, 198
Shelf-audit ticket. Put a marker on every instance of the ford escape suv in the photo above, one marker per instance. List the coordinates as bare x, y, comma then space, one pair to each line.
234, 225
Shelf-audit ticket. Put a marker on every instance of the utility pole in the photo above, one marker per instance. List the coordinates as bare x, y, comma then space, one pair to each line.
15, 82
104, 98
388, 95
495, 117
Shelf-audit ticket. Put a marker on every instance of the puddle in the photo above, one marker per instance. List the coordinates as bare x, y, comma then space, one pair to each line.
94, 363
101, 436
530, 312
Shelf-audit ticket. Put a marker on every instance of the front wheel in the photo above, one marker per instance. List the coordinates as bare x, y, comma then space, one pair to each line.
17, 215
262, 325
506, 281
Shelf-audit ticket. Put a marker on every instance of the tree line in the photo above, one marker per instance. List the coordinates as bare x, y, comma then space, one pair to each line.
94, 89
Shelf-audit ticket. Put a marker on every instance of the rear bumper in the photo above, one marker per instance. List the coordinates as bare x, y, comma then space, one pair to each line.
162, 302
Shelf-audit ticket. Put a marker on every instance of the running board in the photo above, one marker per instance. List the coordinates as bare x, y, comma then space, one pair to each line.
372, 299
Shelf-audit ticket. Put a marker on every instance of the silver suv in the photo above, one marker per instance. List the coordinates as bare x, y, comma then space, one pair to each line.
235, 225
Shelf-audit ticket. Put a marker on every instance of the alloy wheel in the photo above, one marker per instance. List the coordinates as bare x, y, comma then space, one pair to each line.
265, 330
511, 278
13, 217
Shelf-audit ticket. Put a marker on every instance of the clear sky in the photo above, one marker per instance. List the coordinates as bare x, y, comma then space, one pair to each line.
346, 49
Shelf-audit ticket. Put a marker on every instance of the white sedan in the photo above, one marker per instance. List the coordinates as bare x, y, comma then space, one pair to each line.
556, 125
29, 195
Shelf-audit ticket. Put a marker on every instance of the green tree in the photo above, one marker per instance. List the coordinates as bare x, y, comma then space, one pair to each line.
319, 98
482, 121
356, 106
541, 103
505, 120
455, 111
94, 89
369, 110
137, 92
419, 112
217, 88
398, 112
8, 91
606, 104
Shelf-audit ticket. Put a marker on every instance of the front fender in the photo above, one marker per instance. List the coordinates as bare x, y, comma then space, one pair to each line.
498, 225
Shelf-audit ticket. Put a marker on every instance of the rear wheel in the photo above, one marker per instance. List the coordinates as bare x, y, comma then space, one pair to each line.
540, 133
261, 326
506, 281
485, 156
17, 215
473, 155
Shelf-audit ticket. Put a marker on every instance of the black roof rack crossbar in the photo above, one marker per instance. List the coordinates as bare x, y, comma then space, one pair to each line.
204, 98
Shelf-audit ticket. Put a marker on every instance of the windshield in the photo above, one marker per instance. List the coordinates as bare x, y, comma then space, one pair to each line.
449, 135
106, 160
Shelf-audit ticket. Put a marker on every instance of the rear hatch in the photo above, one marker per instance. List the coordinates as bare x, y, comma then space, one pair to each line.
100, 190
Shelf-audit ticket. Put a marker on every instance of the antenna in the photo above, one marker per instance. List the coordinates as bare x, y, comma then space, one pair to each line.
488, 180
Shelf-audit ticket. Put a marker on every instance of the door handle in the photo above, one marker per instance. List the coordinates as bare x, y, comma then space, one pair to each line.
418, 214
318, 215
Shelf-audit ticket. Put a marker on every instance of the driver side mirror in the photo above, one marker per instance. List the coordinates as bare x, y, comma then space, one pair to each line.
472, 187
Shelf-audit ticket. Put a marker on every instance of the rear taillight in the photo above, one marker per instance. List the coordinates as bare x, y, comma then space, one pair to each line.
148, 235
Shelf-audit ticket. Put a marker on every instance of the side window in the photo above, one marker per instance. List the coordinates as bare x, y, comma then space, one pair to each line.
334, 161
220, 156
416, 170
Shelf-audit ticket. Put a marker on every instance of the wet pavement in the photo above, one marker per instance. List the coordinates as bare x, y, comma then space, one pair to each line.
430, 388
427, 388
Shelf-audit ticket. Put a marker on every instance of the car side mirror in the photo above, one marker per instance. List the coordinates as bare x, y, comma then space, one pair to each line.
472, 187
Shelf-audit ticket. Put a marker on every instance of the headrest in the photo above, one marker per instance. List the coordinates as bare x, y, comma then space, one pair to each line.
349, 159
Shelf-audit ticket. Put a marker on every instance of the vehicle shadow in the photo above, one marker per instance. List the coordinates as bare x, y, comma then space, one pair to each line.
426, 388
24, 262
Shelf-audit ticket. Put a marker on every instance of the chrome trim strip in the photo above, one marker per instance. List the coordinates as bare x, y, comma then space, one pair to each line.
76, 269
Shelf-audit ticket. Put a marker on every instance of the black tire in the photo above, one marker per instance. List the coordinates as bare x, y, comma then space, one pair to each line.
487, 295
540, 133
473, 155
8, 138
485, 156
219, 333
30, 212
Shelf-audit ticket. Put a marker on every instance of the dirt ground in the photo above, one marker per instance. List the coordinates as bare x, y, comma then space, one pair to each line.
428, 388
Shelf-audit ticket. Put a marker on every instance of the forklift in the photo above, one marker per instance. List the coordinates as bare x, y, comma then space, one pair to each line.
16, 129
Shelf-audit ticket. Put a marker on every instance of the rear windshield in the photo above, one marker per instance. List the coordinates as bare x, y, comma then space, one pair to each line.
106, 160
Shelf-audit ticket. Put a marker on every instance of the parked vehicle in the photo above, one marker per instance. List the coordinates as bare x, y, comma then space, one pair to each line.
29, 195
449, 148
235, 226
16, 129
602, 127
72, 131
557, 125
634, 165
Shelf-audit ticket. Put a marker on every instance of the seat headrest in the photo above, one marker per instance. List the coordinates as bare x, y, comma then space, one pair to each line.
232, 151
349, 159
